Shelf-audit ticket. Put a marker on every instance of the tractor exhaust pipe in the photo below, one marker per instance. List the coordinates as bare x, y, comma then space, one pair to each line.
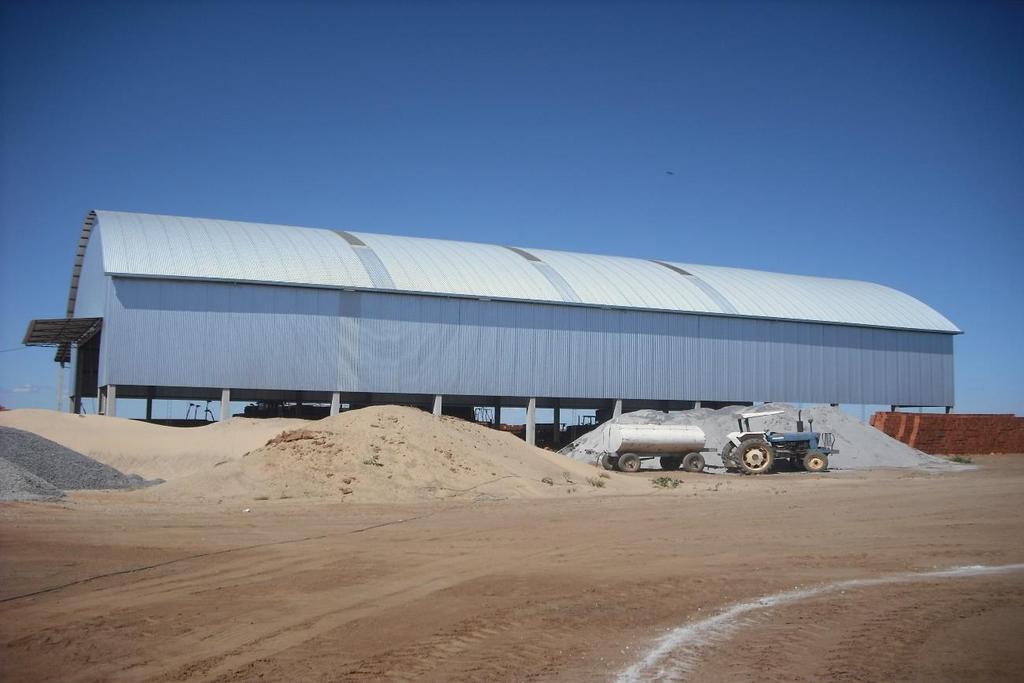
799, 420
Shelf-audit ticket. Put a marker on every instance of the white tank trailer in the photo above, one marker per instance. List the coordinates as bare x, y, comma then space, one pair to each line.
676, 446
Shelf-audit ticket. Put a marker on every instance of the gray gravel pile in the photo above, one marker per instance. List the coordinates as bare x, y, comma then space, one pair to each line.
17, 483
860, 445
57, 466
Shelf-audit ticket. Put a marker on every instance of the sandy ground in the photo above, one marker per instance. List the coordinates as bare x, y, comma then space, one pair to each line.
380, 454
149, 450
105, 586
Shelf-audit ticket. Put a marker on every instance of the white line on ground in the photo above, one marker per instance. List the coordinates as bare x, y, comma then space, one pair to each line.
675, 653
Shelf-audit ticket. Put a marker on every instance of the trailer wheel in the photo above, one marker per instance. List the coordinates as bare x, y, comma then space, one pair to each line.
815, 462
693, 462
726, 453
605, 461
755, 456
670, 462
629, 462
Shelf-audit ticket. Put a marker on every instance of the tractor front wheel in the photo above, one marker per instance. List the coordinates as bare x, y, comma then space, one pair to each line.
755, 456
815, 462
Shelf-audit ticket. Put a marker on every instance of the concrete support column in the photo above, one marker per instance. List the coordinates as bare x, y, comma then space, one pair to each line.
111, 403
149, 408
892, 409
497, 413
556, 426
335, 403
531, 422
617, 410
949, 409
101, 401
696, 404
437, 405
225, 405
60, 388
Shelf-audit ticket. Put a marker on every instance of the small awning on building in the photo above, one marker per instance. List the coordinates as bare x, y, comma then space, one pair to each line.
62, 333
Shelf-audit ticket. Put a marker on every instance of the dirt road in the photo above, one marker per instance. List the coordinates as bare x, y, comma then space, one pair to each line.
105, 587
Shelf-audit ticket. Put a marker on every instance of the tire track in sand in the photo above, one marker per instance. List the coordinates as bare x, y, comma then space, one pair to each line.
676, 653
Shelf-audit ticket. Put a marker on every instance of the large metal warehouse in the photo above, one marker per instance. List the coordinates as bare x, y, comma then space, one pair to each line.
187, 308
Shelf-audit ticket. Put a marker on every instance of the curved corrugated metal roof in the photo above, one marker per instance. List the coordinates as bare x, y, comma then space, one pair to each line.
145, 245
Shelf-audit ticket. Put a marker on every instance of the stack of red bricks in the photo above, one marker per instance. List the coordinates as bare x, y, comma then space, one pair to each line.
954, 434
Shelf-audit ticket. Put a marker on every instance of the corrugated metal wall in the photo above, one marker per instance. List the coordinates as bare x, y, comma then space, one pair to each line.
187, 333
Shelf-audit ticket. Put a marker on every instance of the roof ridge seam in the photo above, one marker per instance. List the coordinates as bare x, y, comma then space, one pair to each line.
703, 286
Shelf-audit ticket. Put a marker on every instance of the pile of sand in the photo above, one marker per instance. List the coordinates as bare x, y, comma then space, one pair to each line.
861, 446
152, 451
386, 454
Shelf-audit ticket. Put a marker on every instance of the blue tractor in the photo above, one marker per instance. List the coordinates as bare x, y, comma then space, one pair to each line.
752, 452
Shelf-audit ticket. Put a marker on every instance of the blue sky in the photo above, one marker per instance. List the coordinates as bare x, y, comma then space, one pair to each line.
875, 141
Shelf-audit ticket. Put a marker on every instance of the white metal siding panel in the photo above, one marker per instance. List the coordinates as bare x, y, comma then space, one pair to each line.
183, 333
617, 373
107, 336
475, 355
348, 342
172, 333
947, 370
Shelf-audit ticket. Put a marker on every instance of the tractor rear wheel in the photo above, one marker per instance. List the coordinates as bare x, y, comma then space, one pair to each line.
755, 456
693, 462
629, 462
815, 462
670, 462
606, 462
